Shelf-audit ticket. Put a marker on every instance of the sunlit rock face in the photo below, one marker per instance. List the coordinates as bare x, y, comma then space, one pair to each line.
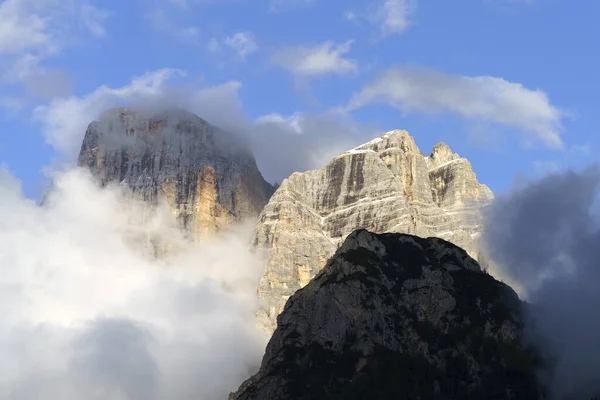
385, 185
208, 177
396, 316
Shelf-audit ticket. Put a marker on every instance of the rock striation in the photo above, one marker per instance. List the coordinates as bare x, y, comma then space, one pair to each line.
395, 316
208, 176
385, 185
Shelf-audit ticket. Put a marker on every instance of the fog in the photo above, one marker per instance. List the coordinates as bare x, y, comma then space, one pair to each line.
89, 313
545, 235
281, 144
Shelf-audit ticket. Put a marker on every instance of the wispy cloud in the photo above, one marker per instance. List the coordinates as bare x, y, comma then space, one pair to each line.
65, 119
312, 61
281, 144
242, 43
94, 18
23, 31
477, 98
292, 122
393, 16
34, 30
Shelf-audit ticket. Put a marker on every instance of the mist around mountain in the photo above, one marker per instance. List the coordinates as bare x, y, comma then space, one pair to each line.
208, 176
90, 313
545, 234
396, 316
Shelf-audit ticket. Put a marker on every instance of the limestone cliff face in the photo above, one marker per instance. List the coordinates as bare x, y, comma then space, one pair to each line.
395, 316
208, 177
386, 185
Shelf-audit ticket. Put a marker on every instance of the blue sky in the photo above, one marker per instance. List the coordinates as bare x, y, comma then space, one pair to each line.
508, 84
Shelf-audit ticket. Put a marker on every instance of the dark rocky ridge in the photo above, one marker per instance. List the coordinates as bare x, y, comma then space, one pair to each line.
395, 316
208, 176
385, 185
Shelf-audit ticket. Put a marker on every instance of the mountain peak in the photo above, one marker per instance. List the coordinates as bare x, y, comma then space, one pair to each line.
441, 153
171, 123
390, 139
384, 185
125, 113
208, 176
396, 316
398, 133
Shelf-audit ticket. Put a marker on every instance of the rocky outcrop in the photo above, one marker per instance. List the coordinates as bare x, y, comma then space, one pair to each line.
395, 316
386, 185
208, 176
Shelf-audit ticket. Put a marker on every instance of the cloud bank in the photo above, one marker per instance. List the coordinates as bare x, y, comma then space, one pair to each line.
545, 235
89, 313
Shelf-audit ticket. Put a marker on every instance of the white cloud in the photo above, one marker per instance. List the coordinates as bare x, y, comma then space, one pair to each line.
242, 43
21, 31
65, 119
93, 18
312, 61
19, 68
88, 313
479, 98
281, 144
303, 141
394, 16
33, 30
293, 122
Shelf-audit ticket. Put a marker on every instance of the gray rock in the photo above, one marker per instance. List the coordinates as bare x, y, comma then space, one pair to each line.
395, 316
386, 185
208, 176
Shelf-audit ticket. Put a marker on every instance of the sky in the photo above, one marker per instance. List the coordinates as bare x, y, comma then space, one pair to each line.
508, 84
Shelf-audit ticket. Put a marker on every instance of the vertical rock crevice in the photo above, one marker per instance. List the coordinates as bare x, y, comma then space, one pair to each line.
385, 185
202, 172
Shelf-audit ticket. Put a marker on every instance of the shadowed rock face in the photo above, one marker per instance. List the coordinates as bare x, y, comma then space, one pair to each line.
386, 185
208, 177
395, 316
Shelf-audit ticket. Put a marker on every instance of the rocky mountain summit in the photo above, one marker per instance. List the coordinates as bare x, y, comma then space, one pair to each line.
385, 185
395, 316
208, 176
